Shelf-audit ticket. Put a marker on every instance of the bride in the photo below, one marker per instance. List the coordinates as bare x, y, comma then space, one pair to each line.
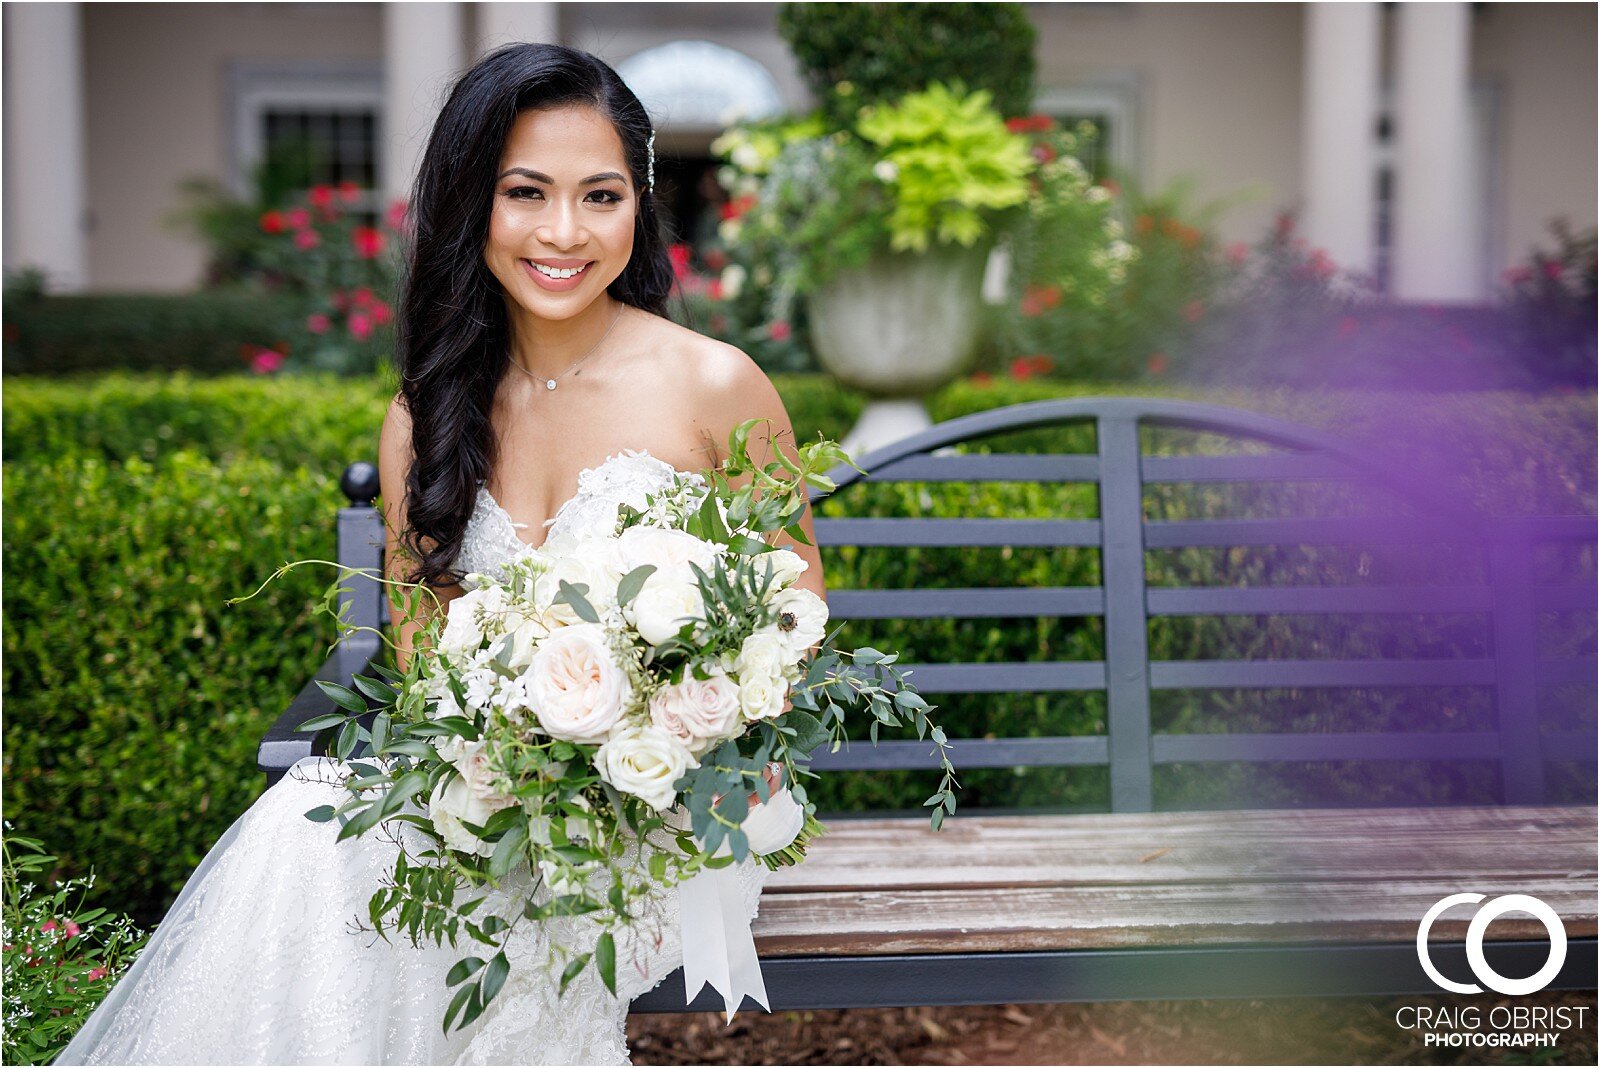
541, 378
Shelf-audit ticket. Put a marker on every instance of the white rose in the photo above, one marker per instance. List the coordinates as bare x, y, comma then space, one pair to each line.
575, 687
761, 696
583, 570
524, 644
774, 823
785, 565
668, 550
663, 606
644, 761
802, 620
764, 653
732, 281
453, 800
471, 759
463, 628
698, 712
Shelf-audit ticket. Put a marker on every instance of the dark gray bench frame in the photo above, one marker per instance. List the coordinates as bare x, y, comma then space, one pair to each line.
1129, 748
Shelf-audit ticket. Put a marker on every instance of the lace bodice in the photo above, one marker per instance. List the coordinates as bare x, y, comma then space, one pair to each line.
491, 539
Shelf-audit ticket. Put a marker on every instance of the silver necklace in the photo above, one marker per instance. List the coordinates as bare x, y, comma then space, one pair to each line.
550, 383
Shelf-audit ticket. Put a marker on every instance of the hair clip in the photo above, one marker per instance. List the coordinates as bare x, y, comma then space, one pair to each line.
650, 164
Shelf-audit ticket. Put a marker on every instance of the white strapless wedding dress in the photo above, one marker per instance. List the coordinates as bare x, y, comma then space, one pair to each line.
256, 962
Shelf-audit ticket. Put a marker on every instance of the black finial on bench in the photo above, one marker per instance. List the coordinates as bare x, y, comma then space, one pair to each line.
360, 482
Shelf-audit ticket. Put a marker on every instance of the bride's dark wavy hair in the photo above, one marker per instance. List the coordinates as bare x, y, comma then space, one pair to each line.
453, 333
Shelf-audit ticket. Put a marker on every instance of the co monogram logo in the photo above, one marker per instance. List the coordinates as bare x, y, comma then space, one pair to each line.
1480, 923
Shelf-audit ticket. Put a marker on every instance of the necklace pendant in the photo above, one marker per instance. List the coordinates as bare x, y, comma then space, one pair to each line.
550, 384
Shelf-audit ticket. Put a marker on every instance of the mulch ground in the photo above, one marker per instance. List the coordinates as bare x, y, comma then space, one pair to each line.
1275, 1031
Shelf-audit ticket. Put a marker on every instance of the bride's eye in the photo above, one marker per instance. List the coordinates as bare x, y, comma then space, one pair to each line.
515, 194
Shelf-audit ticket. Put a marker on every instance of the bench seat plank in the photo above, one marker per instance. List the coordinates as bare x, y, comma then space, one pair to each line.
1017, 883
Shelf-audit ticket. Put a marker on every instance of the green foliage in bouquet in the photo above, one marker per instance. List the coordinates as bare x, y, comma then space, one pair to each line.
582, 799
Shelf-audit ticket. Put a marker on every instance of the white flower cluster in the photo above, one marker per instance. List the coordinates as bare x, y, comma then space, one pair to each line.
531, 668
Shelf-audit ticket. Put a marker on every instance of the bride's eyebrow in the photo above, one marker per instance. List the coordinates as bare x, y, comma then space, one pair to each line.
538, 177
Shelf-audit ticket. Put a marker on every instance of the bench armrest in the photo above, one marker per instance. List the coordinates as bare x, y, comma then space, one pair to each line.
283, 745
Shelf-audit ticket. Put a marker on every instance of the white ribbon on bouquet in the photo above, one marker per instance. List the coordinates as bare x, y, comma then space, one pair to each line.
715, 927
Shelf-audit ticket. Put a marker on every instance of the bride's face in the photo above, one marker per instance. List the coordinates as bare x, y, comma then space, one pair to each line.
563, 197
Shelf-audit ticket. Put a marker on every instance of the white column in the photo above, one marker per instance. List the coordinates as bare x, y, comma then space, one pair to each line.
423, 55
46, 210
1436, 237
500, 24
1339, 101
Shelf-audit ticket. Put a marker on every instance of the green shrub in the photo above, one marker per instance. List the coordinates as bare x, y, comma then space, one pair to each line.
854, 54
207, 333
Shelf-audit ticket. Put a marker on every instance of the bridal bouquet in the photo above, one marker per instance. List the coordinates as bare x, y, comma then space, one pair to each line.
599, 720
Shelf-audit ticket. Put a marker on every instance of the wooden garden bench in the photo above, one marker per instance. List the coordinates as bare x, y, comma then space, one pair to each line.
1135, 903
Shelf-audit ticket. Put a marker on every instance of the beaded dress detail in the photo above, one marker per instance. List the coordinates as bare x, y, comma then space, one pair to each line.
257, 961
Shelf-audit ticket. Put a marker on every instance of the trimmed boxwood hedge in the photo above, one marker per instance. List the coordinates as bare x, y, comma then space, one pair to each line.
135, 506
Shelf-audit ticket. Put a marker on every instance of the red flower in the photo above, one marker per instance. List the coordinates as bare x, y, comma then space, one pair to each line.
982, 378
97, 973
1040, 363
1321, 265
1036, 300
360, 324
1157, 363
72, 929
737, 206
349, 192
317, 323
1022, 368
1552, 269
266, 361
363, 297
272, 222
321, 196
299, 218
679, 254
368, 242
306, 240
47, 926
779, 330
380, 312
715, 289
716, 259
395, 217
1030, 123
1194, 310
1043, 153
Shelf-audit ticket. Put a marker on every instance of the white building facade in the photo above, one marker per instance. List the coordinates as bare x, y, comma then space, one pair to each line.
1430, 143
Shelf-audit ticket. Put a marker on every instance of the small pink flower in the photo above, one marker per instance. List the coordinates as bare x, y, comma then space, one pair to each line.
321, 196
380, 312
72, 929
299, 218
272, 222
368, 242
317, 323
1022, 368
363, 298
1238, 252
395, 216
715, 289
47, 926
307, 239
97, 973
679, 254
266, 361
349, 192
779, 331
360, 325
1552, 269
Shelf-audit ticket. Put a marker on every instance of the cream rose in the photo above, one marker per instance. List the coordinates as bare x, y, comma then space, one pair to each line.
644, 760
668, 550
454, 800
585, 570
785, 565
663, 606
761, 696
765, 652
698, 712
575, 687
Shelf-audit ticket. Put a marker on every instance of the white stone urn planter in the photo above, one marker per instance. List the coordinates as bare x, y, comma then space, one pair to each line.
898, 328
